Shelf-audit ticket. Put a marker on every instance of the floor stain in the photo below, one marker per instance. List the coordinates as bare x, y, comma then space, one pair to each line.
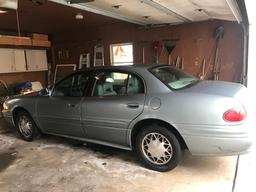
7, 159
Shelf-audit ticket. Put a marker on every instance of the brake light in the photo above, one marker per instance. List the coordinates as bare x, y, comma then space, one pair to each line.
235, 115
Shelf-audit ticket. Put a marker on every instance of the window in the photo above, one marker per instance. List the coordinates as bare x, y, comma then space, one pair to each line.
173, 77
116, 83
73, 86
121, 54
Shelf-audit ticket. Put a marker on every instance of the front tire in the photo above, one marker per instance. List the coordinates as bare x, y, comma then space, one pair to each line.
26, 127
158, 148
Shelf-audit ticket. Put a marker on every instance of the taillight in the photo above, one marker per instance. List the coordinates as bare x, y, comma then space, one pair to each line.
235, 115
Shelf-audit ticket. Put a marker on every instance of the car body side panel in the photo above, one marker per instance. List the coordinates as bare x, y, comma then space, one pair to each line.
196, 112
107, 118
202, 128
26, 102
60, 115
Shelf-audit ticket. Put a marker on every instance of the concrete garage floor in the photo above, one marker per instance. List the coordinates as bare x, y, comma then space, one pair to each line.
57, 164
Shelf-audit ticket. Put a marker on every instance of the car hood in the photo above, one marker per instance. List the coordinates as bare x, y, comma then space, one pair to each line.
34, 94
221, 88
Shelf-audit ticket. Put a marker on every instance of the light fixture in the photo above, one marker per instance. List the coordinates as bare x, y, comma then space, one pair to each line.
116, 6
92, 9
39, 2
79, 16
2, 11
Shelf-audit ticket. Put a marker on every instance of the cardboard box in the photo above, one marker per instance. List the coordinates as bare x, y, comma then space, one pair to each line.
42, 37
25, 41
7, 41
40, 43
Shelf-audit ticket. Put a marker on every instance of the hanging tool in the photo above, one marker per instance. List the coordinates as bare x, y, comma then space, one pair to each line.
143, 55
169, 45
202, 74
158, 48
182, 63
218, 35
177, 62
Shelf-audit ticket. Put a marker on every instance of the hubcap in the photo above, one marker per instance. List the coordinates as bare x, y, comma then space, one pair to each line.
157, 148
25, 126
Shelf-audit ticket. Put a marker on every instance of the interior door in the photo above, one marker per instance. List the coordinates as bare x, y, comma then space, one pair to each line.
6, 60
36, 60
116, 99
20, 60
60, 113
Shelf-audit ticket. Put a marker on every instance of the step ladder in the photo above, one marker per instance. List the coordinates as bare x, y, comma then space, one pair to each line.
84, 61
98, 55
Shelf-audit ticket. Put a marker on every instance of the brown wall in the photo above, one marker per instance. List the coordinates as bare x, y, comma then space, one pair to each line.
14, 78
194, 42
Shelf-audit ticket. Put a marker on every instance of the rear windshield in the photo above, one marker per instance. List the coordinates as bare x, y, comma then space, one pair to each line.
174, 78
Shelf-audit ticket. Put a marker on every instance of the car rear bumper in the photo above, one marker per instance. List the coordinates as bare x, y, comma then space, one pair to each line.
212, 146
219, 140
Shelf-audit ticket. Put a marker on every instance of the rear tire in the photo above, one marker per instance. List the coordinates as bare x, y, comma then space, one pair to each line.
158, 148
26, 127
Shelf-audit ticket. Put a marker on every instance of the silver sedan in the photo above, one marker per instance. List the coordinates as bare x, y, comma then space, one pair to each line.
156, 110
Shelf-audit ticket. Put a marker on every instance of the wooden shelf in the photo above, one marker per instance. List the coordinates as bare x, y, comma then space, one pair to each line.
24, 41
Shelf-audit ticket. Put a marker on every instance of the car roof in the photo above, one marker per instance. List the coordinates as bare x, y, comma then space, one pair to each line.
124, 67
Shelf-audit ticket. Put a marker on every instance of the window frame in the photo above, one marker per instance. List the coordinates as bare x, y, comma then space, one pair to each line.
120, 63
171, 88
97, 72
86, 89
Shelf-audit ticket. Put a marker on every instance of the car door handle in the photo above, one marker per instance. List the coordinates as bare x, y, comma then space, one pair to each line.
71, 105
133, 105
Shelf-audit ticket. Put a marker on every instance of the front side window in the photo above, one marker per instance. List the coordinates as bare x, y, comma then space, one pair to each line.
173, 77
117, 83
73, 86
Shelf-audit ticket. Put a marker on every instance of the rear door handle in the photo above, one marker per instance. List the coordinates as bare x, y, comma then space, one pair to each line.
133, 105
71, 105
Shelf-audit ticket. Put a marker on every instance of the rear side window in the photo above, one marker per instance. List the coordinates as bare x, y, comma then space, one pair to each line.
174, 78
117, 83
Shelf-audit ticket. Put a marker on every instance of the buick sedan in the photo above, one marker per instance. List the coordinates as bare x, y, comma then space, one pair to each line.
156, 110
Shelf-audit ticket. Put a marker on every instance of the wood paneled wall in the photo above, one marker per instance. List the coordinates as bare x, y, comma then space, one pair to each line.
194, 42
15, 78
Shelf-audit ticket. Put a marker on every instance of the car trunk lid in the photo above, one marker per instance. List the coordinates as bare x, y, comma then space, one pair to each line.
221, 88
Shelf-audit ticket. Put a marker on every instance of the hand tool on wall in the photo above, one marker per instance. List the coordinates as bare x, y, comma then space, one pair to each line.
158, 47
177, 62
182, 63
143, 55
202, 74
169, 45
218, 35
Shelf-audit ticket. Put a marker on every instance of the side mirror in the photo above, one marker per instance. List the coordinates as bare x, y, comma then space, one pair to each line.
44, 92
49, 87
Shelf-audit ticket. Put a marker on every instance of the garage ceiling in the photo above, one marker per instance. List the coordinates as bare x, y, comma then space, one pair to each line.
50, 18
147, 12
55, 16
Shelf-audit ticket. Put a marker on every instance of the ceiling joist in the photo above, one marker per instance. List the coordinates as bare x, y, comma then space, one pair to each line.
159, 12
101, 12
165, 10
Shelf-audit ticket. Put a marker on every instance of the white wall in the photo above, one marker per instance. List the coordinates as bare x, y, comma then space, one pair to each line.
251, 11
251, 7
